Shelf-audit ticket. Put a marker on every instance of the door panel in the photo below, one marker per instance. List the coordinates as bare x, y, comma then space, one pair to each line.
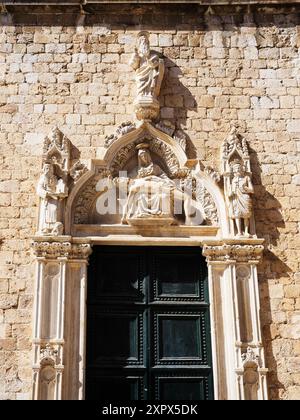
181, 388
114, 387
178, 338
117, 338
148, 334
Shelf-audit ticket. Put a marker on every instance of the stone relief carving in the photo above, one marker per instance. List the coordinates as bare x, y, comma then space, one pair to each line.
238, 187
243, 272
215, 176
183, 186
77, 170
227, 252
250, 375
49, 355
249, 357
155, 145
152, 194
234, 145
149, 72
53, 250
55, 181
166, 127
208, 204
123, 129
57, 149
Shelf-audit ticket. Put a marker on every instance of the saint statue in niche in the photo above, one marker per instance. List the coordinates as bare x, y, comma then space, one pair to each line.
151, 195
239, 195
149, 72
52, 190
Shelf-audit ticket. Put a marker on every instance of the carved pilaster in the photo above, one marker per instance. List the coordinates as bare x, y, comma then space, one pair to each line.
233, 270
55, 260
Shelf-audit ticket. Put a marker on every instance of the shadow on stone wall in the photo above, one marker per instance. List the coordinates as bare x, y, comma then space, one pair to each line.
157, 16
268, 218
176, 101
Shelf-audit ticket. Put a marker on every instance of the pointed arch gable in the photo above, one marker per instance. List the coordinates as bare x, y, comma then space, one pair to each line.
80, 198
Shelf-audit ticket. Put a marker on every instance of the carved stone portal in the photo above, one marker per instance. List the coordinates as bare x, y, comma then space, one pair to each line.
145, 180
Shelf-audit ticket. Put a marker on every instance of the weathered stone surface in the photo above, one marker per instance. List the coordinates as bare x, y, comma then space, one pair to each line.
8, 301
222, 66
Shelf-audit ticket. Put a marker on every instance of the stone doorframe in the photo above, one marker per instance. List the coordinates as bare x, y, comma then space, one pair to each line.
60, 296
60, 315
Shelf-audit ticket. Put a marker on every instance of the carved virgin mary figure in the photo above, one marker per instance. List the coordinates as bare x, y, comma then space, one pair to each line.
240, 192
151, 193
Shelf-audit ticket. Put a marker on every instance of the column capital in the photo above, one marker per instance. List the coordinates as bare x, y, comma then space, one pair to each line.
60, 247
234, 252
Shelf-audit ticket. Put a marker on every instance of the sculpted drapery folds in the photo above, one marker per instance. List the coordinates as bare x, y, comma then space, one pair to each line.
52, 190
149, 72
239, 194
238, 187
148, 68
152, 195
59, 173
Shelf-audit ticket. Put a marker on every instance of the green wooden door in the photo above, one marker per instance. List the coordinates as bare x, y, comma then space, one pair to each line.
148, 328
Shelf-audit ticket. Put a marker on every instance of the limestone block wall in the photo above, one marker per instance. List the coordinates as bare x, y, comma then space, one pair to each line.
223, 64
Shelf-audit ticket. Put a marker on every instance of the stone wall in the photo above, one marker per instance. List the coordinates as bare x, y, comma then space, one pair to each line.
223, 64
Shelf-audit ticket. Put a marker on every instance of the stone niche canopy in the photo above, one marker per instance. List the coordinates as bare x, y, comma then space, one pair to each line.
147, 175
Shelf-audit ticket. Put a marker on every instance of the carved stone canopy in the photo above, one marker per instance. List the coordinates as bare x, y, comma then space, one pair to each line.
234, 147
164, 168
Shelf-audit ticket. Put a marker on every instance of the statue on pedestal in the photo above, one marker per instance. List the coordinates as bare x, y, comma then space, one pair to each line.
52, 190
149, 72
239, 194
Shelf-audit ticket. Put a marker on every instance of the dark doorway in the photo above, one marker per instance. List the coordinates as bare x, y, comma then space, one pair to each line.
148, 326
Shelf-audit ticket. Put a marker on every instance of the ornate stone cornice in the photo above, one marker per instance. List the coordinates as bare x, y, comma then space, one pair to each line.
54, 249
233, 252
